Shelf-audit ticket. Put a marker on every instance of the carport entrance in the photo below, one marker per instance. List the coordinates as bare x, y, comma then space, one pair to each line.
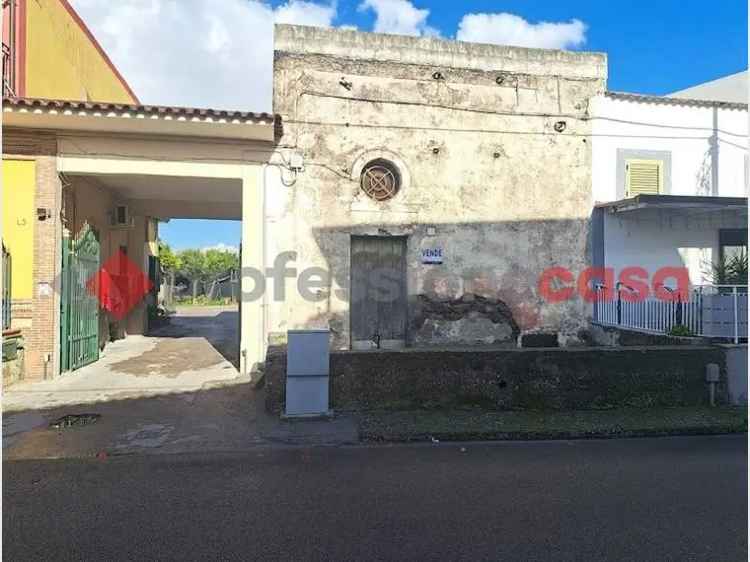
116, 219
120, 168
199, 294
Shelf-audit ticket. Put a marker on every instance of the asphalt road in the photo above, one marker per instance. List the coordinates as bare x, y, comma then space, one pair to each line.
638, 499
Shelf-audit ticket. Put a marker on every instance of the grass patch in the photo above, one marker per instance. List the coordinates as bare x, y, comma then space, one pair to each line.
466, 425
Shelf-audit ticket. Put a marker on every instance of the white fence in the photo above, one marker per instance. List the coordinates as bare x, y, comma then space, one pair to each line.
715, 311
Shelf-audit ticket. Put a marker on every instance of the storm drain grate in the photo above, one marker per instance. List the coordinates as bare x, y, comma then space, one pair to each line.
74, 420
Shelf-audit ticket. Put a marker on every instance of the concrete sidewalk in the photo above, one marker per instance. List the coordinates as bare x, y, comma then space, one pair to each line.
230, 418
176, 390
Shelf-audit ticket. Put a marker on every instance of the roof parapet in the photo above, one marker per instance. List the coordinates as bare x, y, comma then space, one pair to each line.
359, 45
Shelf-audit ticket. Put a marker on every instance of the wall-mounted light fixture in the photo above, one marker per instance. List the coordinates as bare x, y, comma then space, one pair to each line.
43, 214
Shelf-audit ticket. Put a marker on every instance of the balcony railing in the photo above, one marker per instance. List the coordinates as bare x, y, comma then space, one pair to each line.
713, 311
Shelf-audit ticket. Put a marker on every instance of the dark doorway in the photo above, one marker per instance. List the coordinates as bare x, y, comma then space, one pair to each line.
378, 292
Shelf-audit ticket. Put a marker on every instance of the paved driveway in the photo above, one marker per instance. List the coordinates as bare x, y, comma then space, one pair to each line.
217, 325
196, 349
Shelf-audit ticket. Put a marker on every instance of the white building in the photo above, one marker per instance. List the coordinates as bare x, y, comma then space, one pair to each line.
669, 180
669, 185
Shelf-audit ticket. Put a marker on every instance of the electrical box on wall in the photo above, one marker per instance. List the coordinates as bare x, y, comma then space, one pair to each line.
307, 373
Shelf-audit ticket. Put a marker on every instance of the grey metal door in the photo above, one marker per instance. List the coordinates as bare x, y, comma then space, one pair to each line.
378, 291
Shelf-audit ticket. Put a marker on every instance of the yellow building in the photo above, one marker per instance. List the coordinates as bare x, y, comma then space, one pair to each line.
48, 52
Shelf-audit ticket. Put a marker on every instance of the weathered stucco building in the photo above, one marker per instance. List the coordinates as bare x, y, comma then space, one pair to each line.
440, 180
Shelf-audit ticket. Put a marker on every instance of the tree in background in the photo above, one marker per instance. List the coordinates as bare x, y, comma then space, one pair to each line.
219, 262
199, 266
168, 259
193, 266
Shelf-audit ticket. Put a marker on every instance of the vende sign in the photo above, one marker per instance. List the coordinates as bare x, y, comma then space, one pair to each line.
558, 284
432, 255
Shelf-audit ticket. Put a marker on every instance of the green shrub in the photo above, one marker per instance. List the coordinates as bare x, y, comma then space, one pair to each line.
680, 330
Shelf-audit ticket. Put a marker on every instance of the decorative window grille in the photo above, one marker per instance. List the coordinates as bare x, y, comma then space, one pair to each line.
380, 180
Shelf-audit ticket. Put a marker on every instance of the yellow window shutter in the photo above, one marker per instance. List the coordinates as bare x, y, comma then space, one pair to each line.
643, 176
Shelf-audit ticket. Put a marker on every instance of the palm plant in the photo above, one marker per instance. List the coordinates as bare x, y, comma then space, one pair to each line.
730, 270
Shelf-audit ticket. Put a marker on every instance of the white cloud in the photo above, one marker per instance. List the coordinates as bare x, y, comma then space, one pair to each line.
196, 53
220, 53
307, 13
509, 29
399, 17
222, 248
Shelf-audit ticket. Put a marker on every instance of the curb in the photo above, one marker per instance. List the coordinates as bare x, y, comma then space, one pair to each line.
368, 436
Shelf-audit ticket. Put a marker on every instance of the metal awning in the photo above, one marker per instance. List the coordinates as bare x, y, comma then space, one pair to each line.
676, 202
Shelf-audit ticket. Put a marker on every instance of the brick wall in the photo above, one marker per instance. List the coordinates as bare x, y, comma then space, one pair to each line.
42, 337
20, 313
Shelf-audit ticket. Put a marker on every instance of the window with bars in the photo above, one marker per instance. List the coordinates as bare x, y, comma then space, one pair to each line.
644, 176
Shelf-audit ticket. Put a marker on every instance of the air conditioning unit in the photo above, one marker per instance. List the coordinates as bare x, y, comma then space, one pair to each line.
120, 217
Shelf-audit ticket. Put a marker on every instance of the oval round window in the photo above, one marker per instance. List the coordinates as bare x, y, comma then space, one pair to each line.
380, 180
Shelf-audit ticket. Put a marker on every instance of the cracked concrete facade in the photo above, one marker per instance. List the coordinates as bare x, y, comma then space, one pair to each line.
493, 148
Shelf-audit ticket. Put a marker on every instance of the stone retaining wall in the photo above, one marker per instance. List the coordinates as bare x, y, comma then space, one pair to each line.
503, 379
13, 364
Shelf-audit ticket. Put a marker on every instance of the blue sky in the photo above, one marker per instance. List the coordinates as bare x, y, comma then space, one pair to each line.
655, 47
190, 233
187, 52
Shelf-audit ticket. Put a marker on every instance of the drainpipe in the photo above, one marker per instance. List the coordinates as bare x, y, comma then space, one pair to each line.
264, 233
736, 319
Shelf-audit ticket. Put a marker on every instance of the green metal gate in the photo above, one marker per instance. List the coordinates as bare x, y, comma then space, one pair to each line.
80, 305
7, 279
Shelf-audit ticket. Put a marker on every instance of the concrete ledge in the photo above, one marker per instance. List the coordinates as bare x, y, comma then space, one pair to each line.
604, 334
472, 425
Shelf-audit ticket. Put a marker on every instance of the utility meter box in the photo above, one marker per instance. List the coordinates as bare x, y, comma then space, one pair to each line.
307, 369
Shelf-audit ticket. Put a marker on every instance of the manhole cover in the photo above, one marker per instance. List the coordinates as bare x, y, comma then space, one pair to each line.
74, 420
